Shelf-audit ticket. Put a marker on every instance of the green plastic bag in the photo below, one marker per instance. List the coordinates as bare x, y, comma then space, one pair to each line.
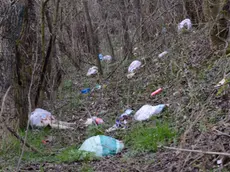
102, 145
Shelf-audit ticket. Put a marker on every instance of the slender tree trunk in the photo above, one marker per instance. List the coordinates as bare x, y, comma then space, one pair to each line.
106, 31
137, 9
127, 46
94, 42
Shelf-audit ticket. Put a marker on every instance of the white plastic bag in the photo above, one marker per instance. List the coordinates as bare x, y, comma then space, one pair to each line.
136, 64
92, 71
162, 54
186, 24
41, 118
107, 58
147, 111
102, 145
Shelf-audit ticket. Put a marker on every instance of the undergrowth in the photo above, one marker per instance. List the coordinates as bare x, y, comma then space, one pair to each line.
52, 152
147, 137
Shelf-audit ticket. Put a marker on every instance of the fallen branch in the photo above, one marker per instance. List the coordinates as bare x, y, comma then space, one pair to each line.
197, 151
22, 140
11, 130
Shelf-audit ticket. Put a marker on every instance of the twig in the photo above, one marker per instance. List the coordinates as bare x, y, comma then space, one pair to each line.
11, 130
197, 151
3, 100
221, 133
22, 140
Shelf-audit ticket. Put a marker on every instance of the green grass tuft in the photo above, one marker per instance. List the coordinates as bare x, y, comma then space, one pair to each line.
145, 137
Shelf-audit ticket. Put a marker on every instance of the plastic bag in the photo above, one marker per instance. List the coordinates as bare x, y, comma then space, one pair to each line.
102, 145
107, 58
162, 54
92, 71
121, 121
147, 111
85, 91
136, 64
186, 24
94, 120
41, 118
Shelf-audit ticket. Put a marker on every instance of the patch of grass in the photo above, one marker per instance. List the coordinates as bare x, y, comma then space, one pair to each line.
68, 84
145, 137
72, 154
94, 130
54, 152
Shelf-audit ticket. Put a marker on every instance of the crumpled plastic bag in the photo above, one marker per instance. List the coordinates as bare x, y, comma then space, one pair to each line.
92, 71
184, 25
102, 145
147, 111
163, 54
41, 118
121, 121
136, 64
107, 58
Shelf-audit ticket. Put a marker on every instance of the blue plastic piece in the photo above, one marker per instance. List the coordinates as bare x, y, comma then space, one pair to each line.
100, 56
85, 91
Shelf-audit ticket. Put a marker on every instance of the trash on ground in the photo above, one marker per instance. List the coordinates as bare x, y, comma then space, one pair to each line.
98, 87
222, 82
135, 51
85, 91
162, 54
42, 118
92, 71
147, 111
185, 25
49, 139
100, 56
219, 162
121, 121
94, 120
102, 145
130, 75
156, 92
107, 58
136, 64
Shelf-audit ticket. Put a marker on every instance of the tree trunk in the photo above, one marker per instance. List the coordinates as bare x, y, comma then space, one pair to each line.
138, 15
106, 31
127, 46
94, 42
24, 52
216, 13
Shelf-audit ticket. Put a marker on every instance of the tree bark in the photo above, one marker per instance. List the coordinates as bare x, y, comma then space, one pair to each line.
127, 46
106, 31
24, 51
94, 42
217, 15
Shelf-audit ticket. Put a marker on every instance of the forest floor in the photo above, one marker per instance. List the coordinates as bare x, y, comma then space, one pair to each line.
197, 117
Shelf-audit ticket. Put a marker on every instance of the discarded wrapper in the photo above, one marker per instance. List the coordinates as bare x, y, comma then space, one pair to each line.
94, 120
222, 82
156, 92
